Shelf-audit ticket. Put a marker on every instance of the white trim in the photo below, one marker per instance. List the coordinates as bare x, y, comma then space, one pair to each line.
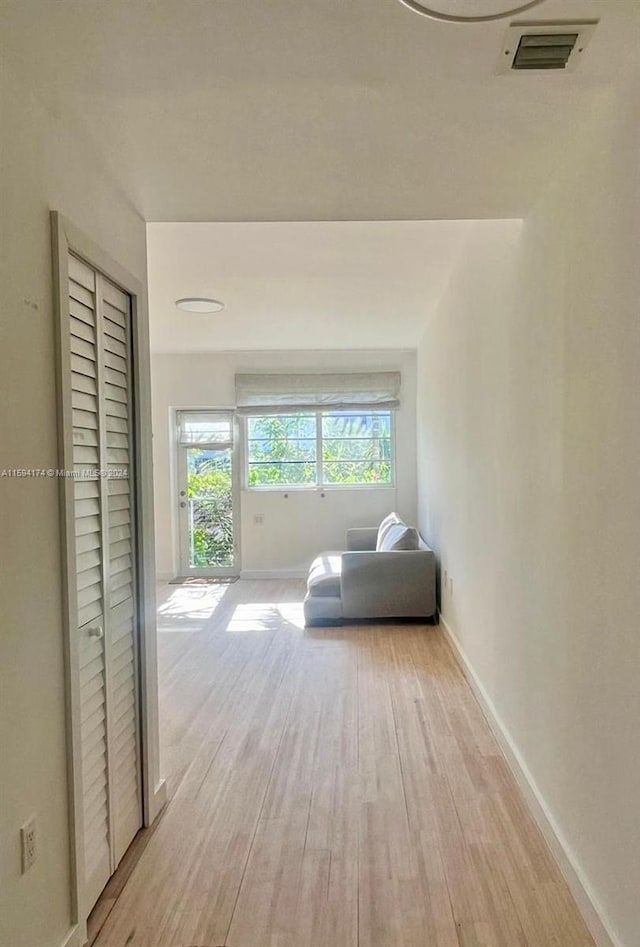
156, 802
573, 874
154, 789
72, 938
314, 488
274, 573
60, 261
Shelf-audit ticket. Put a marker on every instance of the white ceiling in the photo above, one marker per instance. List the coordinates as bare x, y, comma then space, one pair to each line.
309, 109
320, 285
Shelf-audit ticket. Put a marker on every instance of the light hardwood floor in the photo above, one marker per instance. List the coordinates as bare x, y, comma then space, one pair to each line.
330, 788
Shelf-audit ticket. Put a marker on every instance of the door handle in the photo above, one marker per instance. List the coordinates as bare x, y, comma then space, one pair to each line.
96, 632
183, 503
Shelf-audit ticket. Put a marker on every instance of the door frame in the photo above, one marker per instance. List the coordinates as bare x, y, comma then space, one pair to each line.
178, 484
65, 239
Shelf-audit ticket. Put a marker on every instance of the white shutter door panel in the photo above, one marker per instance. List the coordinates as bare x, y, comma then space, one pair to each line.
99, 321
120, 591
81, 275
83, 336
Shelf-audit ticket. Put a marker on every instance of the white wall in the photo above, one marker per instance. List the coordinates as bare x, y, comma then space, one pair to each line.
295, 529
43, 167
529, 489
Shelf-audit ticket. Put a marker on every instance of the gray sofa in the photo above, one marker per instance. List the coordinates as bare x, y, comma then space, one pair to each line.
385, 572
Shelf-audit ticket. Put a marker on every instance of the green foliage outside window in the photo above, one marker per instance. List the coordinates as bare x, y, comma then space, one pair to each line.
210, 497
355, 448
283, 451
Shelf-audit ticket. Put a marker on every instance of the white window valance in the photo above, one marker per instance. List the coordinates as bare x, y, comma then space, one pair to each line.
273, 394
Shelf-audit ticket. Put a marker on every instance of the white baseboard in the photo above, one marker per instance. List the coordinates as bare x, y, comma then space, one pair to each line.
567, 862
274, 574
251, 574
72, 938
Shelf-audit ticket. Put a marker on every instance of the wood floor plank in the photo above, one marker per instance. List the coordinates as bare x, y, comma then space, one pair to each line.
328, 788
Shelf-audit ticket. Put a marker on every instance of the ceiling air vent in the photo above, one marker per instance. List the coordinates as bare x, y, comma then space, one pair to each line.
543, 46
544, 51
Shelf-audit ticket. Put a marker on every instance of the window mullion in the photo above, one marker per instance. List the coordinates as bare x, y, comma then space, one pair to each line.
319, 458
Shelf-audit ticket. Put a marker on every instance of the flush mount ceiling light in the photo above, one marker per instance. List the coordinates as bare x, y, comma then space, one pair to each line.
199, 304
477, 11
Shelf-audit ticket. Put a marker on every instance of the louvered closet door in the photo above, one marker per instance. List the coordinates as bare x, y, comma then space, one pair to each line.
105, 580
120, 600
85, 359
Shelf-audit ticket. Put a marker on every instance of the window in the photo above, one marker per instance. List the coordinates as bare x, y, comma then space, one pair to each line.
320, 449
356, 448
282, 450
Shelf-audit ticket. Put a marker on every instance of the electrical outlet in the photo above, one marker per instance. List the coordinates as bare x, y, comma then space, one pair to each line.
258, 519
29, 844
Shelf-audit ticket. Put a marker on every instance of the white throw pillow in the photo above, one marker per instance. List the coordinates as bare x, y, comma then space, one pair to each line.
399, 537
387, 522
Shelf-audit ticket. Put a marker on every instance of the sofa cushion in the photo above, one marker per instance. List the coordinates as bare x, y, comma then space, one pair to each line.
324, 575
384, 526
398, 537
322, 610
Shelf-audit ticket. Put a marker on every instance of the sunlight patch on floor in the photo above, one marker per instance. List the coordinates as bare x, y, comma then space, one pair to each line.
266, 616
188, 608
